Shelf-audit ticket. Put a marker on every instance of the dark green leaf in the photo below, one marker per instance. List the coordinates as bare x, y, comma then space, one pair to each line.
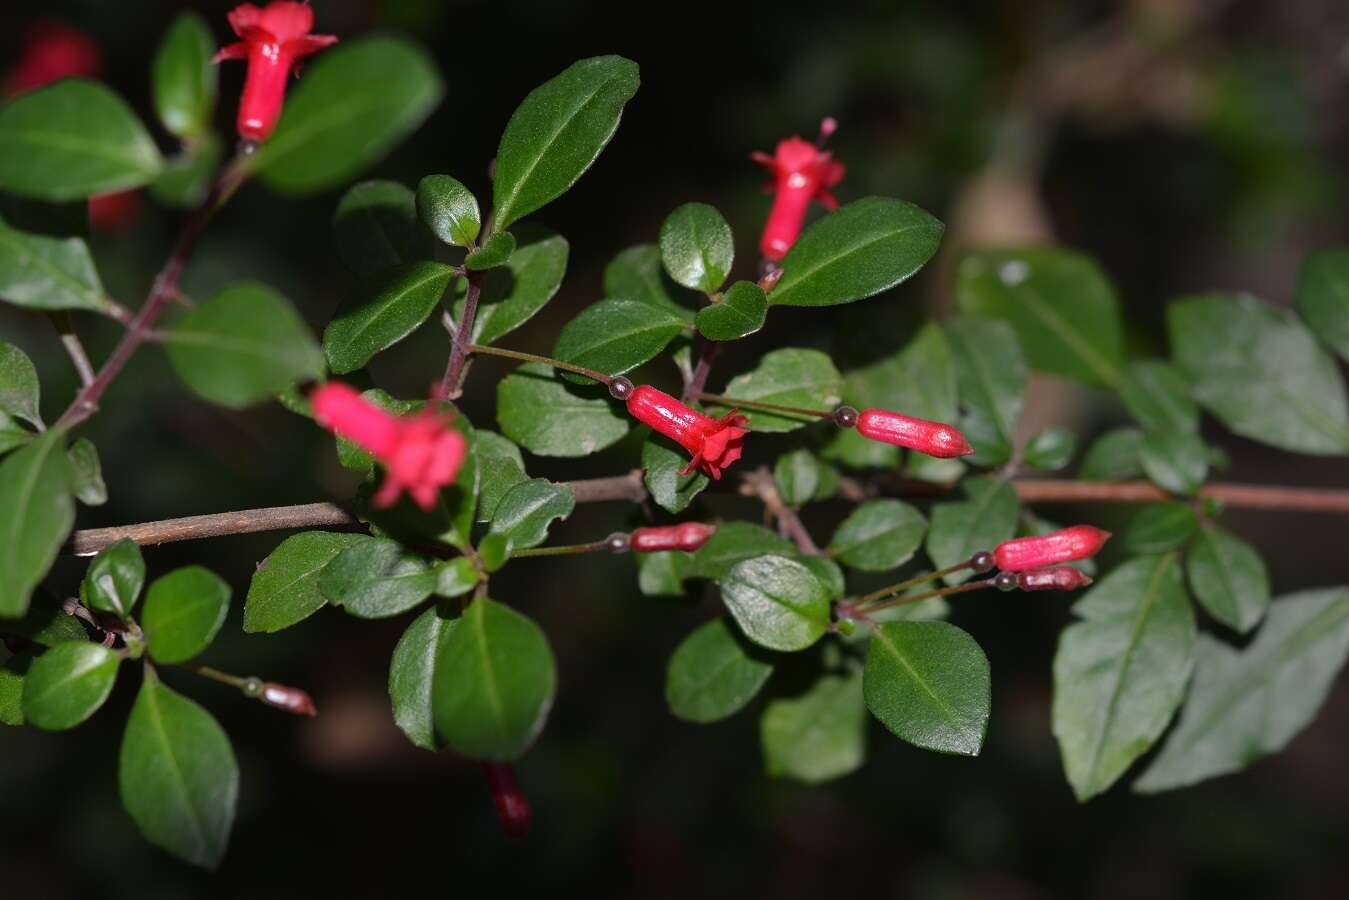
878, 536
177, 775
376, 578
386, 310
1228, 578
376, 228
992, 377
1051, 449
777, 602
742, 311
828, 573
184, 79
1062, 306
513, 293
848, 448
660, 473
449, 209
929, 683
919, 379
494, 683
1157, 397
495, 251
1113, 456
285, 587
731, 543
1159, 527
817, 735
616, 336
1121, 672
1261, 372
1176, 461
961, 528
242, 346
662, 574
48, 273
500, 468
115, 578
183, 613
1323, 297
86, 473
789, 377
557, 132
696, 247
550, 417
526, 511
797, 476
47, 623
864, 248
412, 673
1245, 704
714, 673
71, 140
67, 684
354, 103
19, 388
36, 512
637, 274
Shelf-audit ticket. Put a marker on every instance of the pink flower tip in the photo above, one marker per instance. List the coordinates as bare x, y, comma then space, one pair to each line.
933, 438
714, 443
1065, 545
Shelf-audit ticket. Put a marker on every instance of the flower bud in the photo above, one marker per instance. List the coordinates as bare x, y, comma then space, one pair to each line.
1058, 578
292, 700
714, 443
933, 438
1066, 545
687, 536
512, 807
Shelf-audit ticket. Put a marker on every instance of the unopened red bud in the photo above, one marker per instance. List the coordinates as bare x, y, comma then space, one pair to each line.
1059, 578
1065, 545
933, 438
687, 536
512, 807
292, 700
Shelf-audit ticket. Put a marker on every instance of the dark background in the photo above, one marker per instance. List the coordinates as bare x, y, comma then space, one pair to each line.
1188, 146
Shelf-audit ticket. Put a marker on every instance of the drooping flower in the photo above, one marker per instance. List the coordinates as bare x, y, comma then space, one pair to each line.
714, 443
1065, 545
1058, 578
512, 807
802, 172
687, 536
421, 453
272, 39
933, 438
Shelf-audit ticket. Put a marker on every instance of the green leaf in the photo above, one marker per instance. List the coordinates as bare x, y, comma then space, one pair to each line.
1228, 578
494, 550
1120, 673
513, 293
19, 387
878, 536
1176, 461
285, 586
789, 377
184, 80
86, 473
637, 274
929, 683
458, 576
354, 103
376, 228
449, 209
991, 374
819, 734
376, 578
848, 448
36, 512
71, 140
115, 578
500, 468
550, 417
731, 543
615, 336
12, 434
557, 132
797, 476
865, 247
186, 178
696, 247
412, 673
183, 613
494, 252
12, 676
1062, 306
672, 491
48, 273
389, 308
920, 379
494, 683
714, 673
777, 602
1159, 527
1156, 395
1260, 371
661, 574
242, 346
962, 528
1245, 704
47, 623
1323, 297
1051, 449
67, 684
828, 573
177, 774
1113, 456
741, 312
526, 511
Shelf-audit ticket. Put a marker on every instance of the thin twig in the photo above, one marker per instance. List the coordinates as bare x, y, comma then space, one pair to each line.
74, 348
451, 385
761, 484
697, 382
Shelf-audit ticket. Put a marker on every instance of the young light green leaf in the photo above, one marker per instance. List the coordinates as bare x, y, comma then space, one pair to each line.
285, 586
1249, 703
495, 252
1176, 461
36, 512
67, 684
797, 476
992, 378
817, 735
637, 274
789, 377
731, 543
513, 293
412, 674
354, 103
526, 511
71, 140
1323, 297
961, 528
383, 312
449, 209
19, 387
777, 602
376, 228
696, 247
48, 273
1113, 456
1228, 578
494, 683
183, 78
86, 473
615, 336
1156, 395
500, 468
183, 613
242, 346
878, 536
114, 580
661, 466
376, 578
741, 312
177, 774
929, 683
557, 132
551, 417
1120, 673
865, 247
1159, 527
714, 673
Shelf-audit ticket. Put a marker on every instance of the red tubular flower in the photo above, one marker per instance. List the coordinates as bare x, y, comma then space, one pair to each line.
273, 39
714, 443
802, 172
421, 454
1059, 578
684, 536
512, 807
51, 51
933, 438
1065, 545
292, 700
